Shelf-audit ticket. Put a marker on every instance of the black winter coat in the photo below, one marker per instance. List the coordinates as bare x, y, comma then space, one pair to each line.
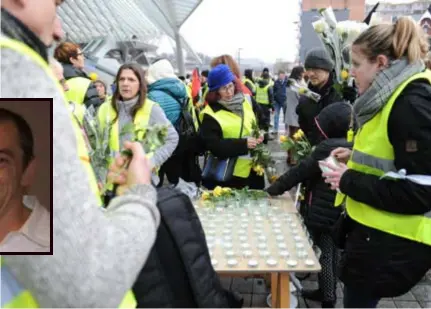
308, 109
376, 262
212, 137
318, 208
178, 272
91, 96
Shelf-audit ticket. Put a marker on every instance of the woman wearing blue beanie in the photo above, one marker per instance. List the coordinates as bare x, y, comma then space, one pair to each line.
226, 124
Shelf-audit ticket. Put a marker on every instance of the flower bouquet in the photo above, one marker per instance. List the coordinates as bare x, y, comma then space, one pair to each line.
337, 38
261, 157
224, 194
97, 140
298, 144
99, 148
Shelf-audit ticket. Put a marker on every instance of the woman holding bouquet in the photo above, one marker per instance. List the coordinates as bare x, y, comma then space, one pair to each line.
129, 105
226, 127
387, 230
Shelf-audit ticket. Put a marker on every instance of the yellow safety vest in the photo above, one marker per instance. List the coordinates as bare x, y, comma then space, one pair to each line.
12, 294
373, 154
192, 112
251, 83
230, 124
106, 114
21, 48
78, 87
262, 96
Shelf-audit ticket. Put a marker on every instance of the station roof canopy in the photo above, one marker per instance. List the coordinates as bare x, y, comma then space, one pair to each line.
125, 20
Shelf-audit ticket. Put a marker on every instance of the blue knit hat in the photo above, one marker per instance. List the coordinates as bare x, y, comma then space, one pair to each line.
220, 76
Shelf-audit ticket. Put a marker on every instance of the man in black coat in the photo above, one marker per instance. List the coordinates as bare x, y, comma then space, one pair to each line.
319, 69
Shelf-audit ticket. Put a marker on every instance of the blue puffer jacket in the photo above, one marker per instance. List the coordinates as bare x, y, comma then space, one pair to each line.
166, 92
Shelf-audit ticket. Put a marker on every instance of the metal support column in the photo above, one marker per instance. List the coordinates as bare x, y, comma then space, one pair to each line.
179, 53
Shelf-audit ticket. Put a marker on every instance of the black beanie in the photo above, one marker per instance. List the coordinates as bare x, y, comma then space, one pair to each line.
318, 59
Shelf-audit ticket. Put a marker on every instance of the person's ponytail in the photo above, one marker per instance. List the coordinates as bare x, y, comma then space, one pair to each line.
409, 40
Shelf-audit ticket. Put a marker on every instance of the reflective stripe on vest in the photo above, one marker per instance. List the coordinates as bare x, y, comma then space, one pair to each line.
262, 96
12, 294
129, 299
230, 124
373, 154
78, 87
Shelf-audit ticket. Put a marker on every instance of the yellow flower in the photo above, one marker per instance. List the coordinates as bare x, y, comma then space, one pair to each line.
344, 75
259, 169
283, 138
206, 196
217, 191
93, 76
302, 91
273, 179
299, 134
226, 190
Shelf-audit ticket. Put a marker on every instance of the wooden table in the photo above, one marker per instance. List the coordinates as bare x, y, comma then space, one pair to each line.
263, 236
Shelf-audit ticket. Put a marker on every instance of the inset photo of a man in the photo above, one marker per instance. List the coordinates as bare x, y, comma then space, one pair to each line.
25, 176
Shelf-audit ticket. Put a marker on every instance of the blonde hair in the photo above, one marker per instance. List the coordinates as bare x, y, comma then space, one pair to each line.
403, 39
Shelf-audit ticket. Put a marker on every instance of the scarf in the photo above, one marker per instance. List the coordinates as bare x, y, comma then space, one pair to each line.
235, 104
15, 29
385, 83
125, 117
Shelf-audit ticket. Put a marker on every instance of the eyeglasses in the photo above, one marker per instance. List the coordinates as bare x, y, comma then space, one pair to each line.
228, 87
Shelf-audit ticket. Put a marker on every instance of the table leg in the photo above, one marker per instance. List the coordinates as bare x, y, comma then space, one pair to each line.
274, 289
283, 290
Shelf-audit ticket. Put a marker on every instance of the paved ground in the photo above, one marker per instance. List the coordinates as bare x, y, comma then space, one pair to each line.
255, 291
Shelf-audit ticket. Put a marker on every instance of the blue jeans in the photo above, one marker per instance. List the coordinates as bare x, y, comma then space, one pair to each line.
277, 108
354, 298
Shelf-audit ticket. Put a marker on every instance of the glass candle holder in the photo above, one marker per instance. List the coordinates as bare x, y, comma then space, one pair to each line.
301, 254
230, 253
227, 245
271, 262
232, 262
277, 231
292, 263
309, 263
243, 238
264, 253
247, 253
253, 263
245, 246
284, 254
262, 246
279, 238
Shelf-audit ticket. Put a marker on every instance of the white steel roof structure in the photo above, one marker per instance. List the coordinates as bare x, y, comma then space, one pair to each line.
126, 20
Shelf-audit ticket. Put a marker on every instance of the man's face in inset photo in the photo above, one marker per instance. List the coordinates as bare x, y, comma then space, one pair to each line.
14, 178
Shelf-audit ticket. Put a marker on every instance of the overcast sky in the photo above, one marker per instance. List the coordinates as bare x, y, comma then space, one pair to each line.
264, 29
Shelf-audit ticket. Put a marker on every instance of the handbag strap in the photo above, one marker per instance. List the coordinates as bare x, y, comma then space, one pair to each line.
242, 124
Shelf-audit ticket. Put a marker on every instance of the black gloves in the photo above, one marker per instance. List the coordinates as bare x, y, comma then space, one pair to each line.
350, 93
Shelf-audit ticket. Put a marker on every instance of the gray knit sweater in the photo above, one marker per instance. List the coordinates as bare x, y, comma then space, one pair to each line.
157, 117
98, 253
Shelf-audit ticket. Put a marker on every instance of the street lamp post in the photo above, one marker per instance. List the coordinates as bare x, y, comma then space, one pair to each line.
239, 57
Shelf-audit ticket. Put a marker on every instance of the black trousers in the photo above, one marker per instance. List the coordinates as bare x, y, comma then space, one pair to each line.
265, 120
327, 278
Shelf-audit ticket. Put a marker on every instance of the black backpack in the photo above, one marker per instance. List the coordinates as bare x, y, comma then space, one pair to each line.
178, 272
185, 126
